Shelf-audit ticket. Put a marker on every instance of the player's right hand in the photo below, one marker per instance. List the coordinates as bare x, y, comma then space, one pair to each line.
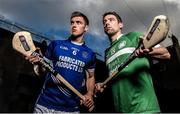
99, 87
34, 59
142, 52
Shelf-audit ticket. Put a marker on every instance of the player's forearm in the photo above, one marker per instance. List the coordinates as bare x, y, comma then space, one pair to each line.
160, 53
163, 56
90, 85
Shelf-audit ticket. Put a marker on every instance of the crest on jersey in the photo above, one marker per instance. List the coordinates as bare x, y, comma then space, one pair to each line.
85, 54
122, 44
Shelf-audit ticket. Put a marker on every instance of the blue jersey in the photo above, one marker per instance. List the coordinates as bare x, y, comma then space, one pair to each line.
70, 60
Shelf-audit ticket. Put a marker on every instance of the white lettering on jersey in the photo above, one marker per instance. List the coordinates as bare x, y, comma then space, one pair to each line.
115, 69
70, 63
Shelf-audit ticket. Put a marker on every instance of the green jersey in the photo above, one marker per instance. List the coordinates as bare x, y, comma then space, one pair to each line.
132, 89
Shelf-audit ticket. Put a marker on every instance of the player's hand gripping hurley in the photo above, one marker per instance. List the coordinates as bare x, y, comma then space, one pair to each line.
23, 43
156, 33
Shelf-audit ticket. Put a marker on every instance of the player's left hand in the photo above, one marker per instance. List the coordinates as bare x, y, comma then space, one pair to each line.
88, 101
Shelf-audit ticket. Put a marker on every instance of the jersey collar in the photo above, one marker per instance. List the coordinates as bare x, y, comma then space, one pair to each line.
76, 43
117, 39
119, 36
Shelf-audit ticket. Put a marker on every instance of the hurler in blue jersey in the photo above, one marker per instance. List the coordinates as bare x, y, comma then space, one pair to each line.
73, 60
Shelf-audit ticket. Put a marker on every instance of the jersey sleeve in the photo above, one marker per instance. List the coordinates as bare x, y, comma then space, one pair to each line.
49, 51
92, 62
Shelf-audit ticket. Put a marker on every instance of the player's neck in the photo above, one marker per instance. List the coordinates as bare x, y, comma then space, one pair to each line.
116, 36
77, 39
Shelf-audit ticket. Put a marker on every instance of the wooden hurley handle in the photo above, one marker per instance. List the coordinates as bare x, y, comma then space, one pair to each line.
61, 79
122, 66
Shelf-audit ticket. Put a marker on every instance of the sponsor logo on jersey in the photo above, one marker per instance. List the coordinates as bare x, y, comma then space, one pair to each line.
63, 47
122, 44
70, 63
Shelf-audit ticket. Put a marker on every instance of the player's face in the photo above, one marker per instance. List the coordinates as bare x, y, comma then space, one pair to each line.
111, 25
78, 26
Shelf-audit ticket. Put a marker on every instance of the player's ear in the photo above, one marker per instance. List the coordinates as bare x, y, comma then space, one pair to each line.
86, 28
121, 25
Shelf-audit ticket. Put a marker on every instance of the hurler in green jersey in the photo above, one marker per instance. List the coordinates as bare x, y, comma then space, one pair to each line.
132, 88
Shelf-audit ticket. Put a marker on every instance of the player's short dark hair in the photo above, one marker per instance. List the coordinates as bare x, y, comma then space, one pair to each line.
113, 13
77, 14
